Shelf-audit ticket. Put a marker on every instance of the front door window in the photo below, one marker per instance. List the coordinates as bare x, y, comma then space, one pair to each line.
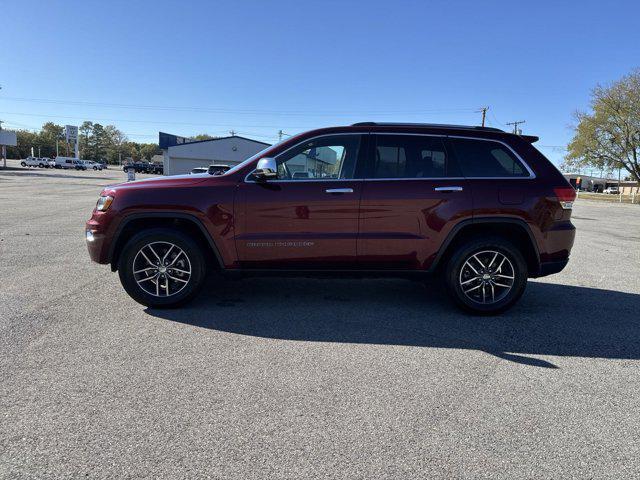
326, 158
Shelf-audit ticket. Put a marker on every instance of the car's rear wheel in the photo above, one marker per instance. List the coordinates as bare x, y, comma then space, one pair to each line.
23, 164
486, 276
162, 268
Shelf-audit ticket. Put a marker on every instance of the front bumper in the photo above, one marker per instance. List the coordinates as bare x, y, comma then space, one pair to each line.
97, 244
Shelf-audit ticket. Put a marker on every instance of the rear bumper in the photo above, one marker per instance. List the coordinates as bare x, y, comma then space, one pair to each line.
549, 268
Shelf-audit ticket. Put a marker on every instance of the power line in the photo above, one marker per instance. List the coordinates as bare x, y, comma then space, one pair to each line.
495, 119
146, 122
305, 113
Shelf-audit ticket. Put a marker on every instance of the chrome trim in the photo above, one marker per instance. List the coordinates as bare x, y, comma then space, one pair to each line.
445, 179
266, 163
312, 180
531, 176
339, 190
448, 189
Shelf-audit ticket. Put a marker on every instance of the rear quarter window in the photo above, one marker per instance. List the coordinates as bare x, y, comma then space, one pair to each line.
486, 158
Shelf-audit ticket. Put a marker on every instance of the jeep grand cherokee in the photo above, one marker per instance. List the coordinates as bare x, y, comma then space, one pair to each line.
481, 207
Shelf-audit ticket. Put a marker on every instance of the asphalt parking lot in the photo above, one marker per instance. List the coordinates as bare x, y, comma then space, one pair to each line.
302, 378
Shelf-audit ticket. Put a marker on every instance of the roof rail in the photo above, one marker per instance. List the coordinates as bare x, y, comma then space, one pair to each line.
433, 125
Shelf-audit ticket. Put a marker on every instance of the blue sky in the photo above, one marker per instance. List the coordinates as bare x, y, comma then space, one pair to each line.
257, 67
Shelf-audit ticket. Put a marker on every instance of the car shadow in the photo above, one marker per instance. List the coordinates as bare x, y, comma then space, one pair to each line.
550, 319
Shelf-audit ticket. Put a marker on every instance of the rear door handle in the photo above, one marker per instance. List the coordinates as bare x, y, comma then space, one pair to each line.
448, 189
339, 190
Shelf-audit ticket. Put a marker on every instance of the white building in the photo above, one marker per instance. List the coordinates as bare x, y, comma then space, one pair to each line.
181, 155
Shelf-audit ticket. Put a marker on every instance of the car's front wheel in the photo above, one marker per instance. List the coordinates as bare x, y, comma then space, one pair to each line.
486, 276
162, 268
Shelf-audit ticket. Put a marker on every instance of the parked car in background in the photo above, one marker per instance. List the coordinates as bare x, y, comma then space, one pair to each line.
79, 164
65, 162
478, 206
93, 165
156, 168
40, 162
613, 190
139, 167
215, 169
218, 169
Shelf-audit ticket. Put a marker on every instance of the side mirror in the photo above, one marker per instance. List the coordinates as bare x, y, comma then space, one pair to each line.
266, 169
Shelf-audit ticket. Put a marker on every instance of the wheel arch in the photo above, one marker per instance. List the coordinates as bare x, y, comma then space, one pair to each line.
513, 229
190, 224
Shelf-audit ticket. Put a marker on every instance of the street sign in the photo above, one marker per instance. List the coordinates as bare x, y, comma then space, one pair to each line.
71, 133
7, 137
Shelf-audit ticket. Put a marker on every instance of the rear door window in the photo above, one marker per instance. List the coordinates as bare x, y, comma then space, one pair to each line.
411, 156
486, 158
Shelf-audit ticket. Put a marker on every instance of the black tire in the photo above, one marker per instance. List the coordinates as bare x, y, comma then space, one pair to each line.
41, 165
192, 251
485, 246
23, 164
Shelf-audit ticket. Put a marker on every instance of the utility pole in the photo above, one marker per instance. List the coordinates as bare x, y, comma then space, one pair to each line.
280, 133
515, 125
484, 114
232, 132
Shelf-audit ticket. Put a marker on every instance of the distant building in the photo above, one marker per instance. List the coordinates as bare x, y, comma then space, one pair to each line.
181, 155
598, 184
628, 187
587, 183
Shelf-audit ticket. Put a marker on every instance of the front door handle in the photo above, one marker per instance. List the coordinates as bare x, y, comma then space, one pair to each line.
448, 189
339, 190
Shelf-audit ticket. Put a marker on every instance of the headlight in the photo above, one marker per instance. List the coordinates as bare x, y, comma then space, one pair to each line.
104, 203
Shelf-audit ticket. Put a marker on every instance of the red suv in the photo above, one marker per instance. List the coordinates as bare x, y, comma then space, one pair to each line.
482, 207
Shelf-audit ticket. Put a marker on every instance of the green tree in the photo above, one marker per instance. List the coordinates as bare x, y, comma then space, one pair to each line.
98, 142
85, 131
26, 140
114, 140
608, 137
203, 136
148, 150
49, 134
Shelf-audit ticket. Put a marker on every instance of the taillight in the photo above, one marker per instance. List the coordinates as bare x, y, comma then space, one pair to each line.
566, 196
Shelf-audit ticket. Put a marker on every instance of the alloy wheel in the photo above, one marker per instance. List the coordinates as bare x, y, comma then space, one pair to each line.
487, 277
161, 269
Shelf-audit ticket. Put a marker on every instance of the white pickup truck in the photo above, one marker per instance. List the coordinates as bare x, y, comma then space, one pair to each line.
41, 162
